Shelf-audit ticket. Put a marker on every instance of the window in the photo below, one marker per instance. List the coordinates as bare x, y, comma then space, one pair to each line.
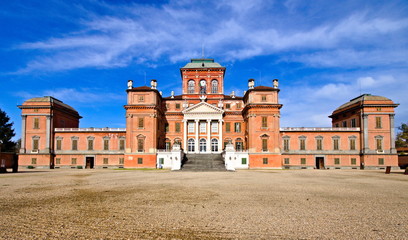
166, 127
379, 144
265, 161
264, 145
337, 161
214, 127
121, 144
106, 144
227, 105
352, 143
344, 124
319, 143
140, 145
381, 161
286, 160
353, 161
214, 145
238, 105
74, 144
36, 123
90, 144
286, 145
36, 141
59, 144
239, 145
228, 127
203, 127
191, 145
121, 161
139, 160
243, 161
302, 143
140, 122
141, 98
177, 105
214, 86
336, 141
33, 160
161, 161
167, 144
203, 145
191, 86
263, 98
73, 161
177, 127
378, 123
353, 122
237, 127
264, 122
303, 161
105, 160
190, 127
58, 161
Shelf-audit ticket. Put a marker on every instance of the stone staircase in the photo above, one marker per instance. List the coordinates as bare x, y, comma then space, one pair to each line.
203, 163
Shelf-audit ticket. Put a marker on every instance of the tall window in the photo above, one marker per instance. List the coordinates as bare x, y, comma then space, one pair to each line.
336, 141
344, 123
214, 127
106, 144
264, 144
191, 145
74, 144
177, 127
203, 145
237, 127
90, 144
59, 144
168, 144
203, 127
190, 127
214, 86
228, 127
353, 122
239, 145
352, 141
140, 144
214, 145
36, 123
264, 122
140, 122
121, 144
36, 142
378, 123
286, 144
302, 143
319, 143
379, 145
191, 86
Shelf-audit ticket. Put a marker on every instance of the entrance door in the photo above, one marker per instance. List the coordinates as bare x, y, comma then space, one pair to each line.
319, 162
203, 145
89, 162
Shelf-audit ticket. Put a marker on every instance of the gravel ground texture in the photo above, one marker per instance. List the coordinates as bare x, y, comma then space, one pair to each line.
160, 204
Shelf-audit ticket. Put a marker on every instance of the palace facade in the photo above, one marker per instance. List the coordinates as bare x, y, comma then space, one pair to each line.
203, 120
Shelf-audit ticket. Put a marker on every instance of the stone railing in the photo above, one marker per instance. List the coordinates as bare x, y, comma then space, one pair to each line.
90, 129
319, 129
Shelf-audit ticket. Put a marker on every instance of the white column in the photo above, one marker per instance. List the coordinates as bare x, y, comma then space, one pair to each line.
23, 135
197, 144
208, 135
185, 135
220, 141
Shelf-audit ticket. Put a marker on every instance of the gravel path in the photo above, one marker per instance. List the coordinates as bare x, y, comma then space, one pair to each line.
159, 204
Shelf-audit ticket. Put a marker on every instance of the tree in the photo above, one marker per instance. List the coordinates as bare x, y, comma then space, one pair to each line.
6, 133
402, 136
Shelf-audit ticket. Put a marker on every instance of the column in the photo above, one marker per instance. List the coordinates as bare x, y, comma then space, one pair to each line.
48, 134
197, 144
220, 141
185, 135
208, 135
392, 133
23, 135
365, 133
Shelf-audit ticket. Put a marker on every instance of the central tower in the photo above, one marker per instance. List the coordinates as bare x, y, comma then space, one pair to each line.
202, 76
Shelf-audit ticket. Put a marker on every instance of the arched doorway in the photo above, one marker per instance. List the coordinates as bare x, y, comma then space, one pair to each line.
203, 145
214, 145
191, 145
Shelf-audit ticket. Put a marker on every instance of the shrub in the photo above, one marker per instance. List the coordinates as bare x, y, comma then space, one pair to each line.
30, 167
79, 167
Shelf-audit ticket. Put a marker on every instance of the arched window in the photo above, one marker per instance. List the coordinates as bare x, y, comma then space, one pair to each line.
214, 86
203, 145
191, 145
214, 145
191, 86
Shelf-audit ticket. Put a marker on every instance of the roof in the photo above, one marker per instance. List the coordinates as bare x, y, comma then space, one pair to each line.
264, 88
202, 63
50, 99
362, 98
141, 88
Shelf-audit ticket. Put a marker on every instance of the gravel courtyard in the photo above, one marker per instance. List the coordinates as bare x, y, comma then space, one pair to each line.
160, 204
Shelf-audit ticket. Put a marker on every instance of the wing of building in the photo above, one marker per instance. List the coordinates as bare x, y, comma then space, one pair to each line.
204, 123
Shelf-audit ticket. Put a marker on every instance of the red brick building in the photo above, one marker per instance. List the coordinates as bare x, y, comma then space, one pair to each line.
203, 120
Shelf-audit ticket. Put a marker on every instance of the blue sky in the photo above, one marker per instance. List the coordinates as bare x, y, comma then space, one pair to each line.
83, 52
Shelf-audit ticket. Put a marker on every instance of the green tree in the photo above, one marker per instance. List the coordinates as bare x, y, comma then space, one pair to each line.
6, 133
402, 136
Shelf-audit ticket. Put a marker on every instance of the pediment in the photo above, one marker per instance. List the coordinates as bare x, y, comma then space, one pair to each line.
203, 107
